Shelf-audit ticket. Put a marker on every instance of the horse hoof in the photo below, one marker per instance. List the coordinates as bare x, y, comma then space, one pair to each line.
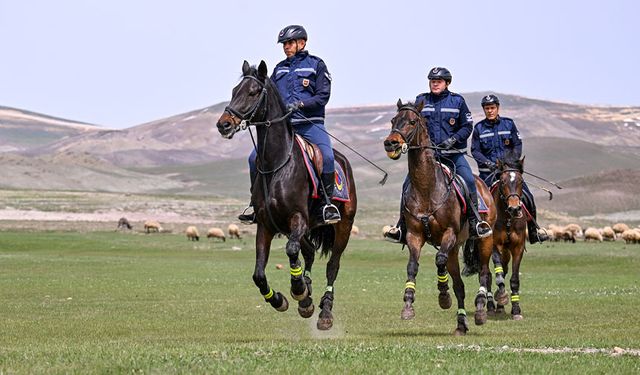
407, 313
459, 332
480, 317
517, 317
285, 304
499, 310
502, 297
325, 321
306, 312
444, 299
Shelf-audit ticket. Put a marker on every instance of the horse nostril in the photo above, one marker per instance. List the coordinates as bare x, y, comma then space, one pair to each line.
390, 145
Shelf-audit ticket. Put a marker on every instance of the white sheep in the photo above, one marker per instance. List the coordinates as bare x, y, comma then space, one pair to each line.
355, 230
192, 233
618, 228
216, 233
234, 231
592, 234
608, 234
152, 226
631, 236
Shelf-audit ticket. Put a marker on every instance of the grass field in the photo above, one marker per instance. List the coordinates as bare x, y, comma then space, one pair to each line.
102, 302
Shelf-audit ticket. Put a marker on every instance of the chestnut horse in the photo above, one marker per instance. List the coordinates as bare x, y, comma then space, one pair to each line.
509, 233
433, 214
281, 195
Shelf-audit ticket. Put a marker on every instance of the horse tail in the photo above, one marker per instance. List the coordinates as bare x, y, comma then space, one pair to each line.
323, 238
470, 258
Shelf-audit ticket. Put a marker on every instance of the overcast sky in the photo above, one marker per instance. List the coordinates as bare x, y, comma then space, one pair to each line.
121, 63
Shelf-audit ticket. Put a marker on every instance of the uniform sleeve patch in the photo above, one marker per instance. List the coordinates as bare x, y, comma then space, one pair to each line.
469, 118
326, 74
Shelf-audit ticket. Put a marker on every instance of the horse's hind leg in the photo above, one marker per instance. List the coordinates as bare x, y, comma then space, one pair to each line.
342, 233
298, 227
458, 288
263, 246
306, 307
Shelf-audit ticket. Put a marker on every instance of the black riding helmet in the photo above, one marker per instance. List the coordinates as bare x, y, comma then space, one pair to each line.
292, 32
440, 73
490, 99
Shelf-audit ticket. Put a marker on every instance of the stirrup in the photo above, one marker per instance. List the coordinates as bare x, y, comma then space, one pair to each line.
330, 214
247, 218
481, 224
394, 235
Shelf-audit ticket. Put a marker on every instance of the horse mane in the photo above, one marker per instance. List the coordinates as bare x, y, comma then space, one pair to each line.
270, 86
511, 160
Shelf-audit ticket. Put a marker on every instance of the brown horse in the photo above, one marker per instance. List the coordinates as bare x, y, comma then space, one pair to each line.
509, 233
433, 214
281, 195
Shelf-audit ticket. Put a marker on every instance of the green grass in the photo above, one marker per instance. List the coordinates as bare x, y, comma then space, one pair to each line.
114, 303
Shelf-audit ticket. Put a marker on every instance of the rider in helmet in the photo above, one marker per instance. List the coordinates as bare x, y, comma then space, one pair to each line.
304, 84
450, 124
492, 138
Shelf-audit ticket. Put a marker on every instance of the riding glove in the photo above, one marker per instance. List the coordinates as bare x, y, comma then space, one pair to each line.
292, 107
448, 143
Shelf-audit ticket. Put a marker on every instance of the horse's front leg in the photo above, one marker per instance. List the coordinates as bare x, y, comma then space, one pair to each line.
501, 267
516, 313
485, 248
298, 227
453, 266
442, 257
263, 246
341, 238
415, 243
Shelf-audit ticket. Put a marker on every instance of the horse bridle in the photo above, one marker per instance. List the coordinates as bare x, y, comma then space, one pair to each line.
502, 196
245, 118
409, 137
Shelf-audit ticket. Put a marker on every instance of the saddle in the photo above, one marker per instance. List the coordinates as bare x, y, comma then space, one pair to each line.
313, 161
462, 192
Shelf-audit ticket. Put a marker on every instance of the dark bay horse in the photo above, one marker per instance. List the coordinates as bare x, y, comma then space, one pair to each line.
509, 233
281, 195
433, 214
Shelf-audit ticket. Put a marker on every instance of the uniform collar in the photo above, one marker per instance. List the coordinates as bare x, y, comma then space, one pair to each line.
299, 56
444, 93
494, 122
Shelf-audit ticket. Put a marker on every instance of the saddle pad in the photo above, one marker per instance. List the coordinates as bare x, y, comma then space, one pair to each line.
341, 188
482, 205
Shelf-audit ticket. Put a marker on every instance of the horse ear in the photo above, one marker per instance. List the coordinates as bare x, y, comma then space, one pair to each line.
262, 70
499, 164
246, 68
522, 163
420, 106
399, 103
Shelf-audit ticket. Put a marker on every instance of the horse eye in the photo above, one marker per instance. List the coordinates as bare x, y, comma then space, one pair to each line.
412, 122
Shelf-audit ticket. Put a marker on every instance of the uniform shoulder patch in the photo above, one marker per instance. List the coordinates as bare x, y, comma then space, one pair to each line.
328, 75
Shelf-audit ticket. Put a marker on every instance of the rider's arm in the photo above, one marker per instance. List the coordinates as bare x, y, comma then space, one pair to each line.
475, 149
466, 123
323, 88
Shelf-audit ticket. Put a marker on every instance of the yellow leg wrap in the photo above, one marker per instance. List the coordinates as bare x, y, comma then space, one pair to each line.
462, 312
515, 298
443, 279
269, 295
295, 271
499, 270
410, 285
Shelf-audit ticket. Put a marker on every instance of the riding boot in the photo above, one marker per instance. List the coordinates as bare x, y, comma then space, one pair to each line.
330, 213
397, 234
478, 228
532, 225
248, 216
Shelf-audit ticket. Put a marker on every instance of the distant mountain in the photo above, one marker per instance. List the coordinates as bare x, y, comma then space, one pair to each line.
184, 154
22, 130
